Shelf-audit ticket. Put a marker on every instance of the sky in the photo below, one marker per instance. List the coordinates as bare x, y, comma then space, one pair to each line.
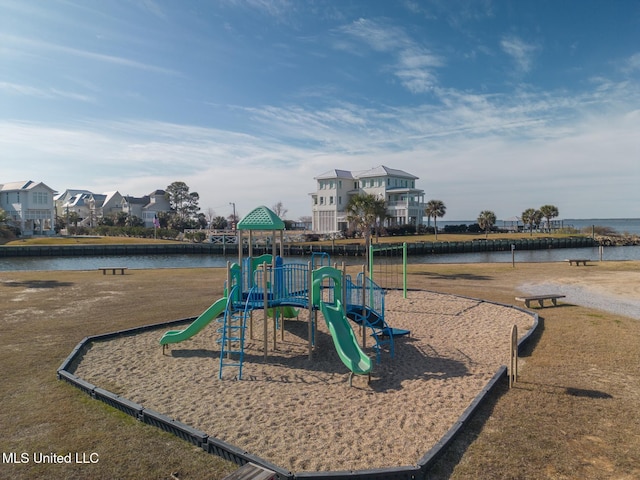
495, 105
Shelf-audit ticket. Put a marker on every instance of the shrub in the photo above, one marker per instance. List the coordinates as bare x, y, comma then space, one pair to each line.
462, 228
600, 230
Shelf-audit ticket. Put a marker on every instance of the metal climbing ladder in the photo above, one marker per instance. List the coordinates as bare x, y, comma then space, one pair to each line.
232, 335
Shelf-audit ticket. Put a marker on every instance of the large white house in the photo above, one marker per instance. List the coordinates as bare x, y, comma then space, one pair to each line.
405, 203
29, 206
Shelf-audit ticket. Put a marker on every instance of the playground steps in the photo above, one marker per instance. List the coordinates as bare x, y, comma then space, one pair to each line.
231, 340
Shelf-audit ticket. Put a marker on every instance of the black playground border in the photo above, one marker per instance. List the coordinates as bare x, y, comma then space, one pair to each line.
239, 456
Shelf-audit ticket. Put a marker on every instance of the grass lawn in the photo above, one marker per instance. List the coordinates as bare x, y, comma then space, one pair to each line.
573, 414
442, 237
85, 241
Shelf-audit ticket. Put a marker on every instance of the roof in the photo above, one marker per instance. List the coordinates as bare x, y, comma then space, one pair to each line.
98, 198
379, 171
76, 200
335, 173
70, 193
261, 218
16, 185
383, 171
136, 200
23, 185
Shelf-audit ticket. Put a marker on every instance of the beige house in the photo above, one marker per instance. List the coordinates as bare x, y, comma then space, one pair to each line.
29, 206
405, 203
146, 207
103, 205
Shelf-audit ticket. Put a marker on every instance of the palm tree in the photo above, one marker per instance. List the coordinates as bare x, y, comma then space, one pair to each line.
549, 212
531, 217
364, 211
486, 220
435, 209
380, 210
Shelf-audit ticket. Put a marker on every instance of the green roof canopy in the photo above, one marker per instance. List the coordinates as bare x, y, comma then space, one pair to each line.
261, 218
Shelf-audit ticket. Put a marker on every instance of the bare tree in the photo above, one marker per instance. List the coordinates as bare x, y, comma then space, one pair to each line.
279, 209
210, 215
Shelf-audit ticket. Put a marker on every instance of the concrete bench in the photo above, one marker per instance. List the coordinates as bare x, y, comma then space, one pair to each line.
113, 270
578, 261
540, 299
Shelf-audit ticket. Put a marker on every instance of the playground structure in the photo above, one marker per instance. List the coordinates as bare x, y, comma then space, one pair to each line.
282, 289
316, 286
391, 267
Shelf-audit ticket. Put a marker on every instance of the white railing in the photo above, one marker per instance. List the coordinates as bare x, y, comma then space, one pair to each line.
405, 203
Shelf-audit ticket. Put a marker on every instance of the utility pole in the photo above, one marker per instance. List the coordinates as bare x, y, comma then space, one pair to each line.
234, 215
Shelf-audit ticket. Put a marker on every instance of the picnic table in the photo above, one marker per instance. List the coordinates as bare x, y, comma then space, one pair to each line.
113, 270
540, 299
578, 261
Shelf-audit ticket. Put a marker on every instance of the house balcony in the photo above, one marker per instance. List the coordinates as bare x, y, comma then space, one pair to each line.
406, 204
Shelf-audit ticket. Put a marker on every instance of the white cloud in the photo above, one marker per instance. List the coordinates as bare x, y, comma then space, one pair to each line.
632, 64
51, 93
521, 52
413, 64
499, 152
12, 41
379, 37
154, 8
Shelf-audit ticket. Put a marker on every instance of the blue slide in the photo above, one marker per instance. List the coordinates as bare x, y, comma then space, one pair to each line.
373, 320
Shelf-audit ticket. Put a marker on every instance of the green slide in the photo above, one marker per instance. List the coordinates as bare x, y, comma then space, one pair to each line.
287, 312
345, 340
175, 336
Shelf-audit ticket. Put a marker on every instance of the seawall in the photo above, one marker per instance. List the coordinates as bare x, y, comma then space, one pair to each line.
351, 249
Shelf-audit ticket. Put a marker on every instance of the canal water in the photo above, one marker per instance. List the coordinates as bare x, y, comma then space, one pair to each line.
198, 261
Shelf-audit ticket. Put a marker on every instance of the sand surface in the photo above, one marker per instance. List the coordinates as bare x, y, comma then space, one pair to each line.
301, 414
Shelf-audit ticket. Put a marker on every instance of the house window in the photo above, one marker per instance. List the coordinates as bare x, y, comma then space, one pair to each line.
40, 198
339, 183
331, 200
340, 200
